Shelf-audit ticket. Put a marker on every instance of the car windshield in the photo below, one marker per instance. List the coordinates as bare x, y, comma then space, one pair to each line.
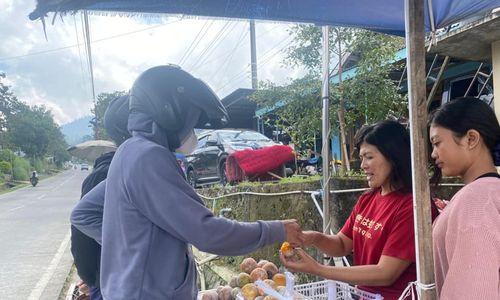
234, 136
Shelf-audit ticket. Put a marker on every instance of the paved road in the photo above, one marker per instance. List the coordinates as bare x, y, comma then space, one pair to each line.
34, 237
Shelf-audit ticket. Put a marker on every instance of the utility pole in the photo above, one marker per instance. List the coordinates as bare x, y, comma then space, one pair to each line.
253, 55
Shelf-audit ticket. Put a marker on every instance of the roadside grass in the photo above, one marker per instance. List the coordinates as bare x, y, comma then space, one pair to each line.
20, 184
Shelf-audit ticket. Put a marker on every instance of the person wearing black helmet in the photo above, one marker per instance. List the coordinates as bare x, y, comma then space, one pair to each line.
152, 215
86, 250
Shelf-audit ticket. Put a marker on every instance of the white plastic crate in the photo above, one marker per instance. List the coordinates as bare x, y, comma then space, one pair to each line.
319, 290
333, 290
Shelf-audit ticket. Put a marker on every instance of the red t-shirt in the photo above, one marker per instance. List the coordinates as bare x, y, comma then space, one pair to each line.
383, 225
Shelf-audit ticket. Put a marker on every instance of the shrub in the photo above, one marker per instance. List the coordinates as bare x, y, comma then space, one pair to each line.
20, 173
7, 155
21, 169
5, 167
39, 165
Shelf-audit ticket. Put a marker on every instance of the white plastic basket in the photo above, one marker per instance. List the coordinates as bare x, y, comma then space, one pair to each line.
319, 290
333, 290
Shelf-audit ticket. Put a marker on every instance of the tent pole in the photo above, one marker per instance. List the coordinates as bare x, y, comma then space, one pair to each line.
325, 150
415, 45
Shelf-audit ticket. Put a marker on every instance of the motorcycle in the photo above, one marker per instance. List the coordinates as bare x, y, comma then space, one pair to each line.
34, 181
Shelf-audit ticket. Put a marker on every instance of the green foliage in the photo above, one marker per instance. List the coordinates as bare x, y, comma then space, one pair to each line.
39, 165
99, 109
300, 116
306, 48
30, 129
33, 130
21, 169
368, 97
300, 179
372, 95
7, 155
5, 167
8, 106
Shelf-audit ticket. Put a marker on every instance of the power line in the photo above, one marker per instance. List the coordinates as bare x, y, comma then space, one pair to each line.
81, 44
212, 50
79, 53
216, 44
244, 74
224, 55
243, 34
193, 45
210, 45
263, 60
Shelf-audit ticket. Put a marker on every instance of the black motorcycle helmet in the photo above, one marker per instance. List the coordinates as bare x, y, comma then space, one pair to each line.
116, 119
167, 92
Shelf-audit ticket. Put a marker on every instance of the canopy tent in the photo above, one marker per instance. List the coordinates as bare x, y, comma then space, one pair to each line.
382, 15
404, 17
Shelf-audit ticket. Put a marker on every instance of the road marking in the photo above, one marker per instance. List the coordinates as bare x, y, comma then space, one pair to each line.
40, 197
16, 208
36, 293
62, 183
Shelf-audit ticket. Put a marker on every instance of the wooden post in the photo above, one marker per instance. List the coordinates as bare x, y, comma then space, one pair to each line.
415, 45
495, 58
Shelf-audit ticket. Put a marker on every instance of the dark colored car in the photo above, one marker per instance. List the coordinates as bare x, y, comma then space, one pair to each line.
207, 164
181, 160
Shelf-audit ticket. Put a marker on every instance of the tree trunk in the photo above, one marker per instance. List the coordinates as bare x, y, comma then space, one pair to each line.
343, 143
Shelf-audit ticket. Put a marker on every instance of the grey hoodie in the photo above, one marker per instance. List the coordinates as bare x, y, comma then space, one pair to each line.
87, 214
152, 215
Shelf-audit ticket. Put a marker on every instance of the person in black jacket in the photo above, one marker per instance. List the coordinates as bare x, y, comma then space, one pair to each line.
86, 251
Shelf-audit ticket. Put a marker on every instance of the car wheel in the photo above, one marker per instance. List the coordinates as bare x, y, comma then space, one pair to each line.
191, 177
223, 176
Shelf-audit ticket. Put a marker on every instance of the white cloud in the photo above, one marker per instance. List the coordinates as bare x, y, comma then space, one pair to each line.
54, 72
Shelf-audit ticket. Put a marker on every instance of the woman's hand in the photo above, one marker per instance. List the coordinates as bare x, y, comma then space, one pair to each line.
83, 288
299, 262
310, 238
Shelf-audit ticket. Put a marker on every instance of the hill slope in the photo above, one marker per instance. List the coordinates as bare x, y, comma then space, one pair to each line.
77, 131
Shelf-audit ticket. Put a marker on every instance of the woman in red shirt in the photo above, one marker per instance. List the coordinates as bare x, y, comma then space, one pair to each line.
380, 231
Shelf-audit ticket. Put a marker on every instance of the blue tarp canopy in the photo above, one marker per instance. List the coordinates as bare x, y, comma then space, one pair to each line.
381, 15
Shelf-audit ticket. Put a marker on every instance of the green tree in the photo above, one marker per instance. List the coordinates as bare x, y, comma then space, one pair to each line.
5, 167
7, 155
299, 103
306, 47
8, 105
98, 111
370, 96
33, 130
30, 129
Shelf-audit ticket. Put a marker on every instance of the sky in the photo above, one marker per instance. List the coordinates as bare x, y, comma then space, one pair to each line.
54, 71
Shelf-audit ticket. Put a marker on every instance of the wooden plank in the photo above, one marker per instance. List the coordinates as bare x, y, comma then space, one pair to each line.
415, 44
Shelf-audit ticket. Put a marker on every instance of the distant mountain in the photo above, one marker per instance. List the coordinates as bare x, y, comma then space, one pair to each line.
77, 131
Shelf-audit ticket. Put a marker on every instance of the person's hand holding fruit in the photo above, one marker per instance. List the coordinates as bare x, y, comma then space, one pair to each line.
293, 232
